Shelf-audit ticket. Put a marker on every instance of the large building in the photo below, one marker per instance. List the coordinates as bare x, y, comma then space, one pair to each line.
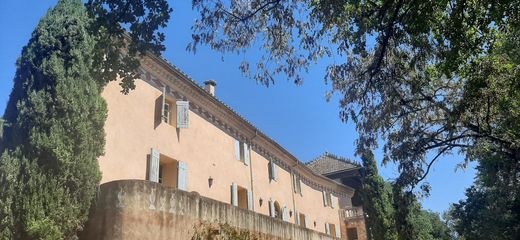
174, 132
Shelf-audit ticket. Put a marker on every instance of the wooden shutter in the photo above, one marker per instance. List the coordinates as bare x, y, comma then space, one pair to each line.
338, 232
183, 111
182, 176
247, 157
249, 200
237, 150
274, 173
301, 188
163, 100
327, 228
285, 214
153, 165
234, 194
271, 208
324, 198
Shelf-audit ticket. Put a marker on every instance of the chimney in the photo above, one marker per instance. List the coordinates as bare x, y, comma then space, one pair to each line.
210, 86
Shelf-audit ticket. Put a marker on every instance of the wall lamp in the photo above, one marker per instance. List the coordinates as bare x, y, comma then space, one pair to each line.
210, 181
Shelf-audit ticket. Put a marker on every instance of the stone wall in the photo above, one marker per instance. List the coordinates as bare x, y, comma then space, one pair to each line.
135, 209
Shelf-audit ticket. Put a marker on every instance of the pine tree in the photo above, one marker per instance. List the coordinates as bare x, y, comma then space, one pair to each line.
377, 201
54, 132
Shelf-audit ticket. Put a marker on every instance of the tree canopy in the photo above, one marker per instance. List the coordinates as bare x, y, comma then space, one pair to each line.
53, 130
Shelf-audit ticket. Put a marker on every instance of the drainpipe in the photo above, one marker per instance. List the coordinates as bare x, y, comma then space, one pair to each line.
251, 168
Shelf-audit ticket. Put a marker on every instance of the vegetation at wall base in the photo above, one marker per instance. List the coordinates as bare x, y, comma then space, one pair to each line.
53, 131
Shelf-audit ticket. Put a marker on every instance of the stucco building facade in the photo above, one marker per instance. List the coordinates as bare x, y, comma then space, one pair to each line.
174, 132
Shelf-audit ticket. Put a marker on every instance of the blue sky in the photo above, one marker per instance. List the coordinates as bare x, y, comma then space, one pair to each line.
298, 117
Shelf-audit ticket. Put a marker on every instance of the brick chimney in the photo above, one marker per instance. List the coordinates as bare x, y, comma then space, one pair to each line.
210, 86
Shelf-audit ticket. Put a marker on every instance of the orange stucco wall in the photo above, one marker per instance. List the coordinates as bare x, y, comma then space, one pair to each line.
131, 132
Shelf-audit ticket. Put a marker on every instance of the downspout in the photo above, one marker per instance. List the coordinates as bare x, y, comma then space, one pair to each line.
251, 168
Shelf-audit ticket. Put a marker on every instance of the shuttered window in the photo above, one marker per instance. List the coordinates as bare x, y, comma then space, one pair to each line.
153, 165
297, 184
273, 174
242, 152
183, 111
182, 181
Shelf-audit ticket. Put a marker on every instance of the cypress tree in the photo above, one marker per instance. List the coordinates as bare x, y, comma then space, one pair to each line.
54, 131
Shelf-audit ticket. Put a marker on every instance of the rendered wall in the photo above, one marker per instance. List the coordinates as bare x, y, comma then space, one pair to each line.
135, 209
132, 130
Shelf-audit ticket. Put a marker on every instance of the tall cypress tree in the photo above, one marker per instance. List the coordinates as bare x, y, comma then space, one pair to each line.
54, 132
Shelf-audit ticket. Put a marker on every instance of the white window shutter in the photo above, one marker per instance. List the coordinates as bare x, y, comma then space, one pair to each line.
327, 228
182, 176
306, 223
324, 198
237, 150
153, 170
234, 194
338, 232
247, 157
301, 188
332, 201
249, 200
163, 99
285, 214
297, 218
183, 113
271, 208
275, 171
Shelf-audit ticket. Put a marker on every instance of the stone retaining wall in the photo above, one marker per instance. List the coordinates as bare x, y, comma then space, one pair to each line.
136, 209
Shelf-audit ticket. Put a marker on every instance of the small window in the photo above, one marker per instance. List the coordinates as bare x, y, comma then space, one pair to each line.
352, 234
302, 220
327, 199
273, 171
242, 152
332, 229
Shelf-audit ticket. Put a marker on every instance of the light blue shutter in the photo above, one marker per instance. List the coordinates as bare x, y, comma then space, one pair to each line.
163, 99
247, 157
153, 170
274, 174
183, 111
249, 200
324, 198
301, 188
285, 214
271, 208
338, 232
182, 176
234, 194
327, 228
237, 150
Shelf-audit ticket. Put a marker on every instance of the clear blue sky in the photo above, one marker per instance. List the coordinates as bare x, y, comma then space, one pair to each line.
298, 117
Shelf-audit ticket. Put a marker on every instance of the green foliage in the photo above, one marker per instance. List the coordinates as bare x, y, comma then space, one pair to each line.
384, 218
53, 131
221, 231
49, 164
377, 201
428, 78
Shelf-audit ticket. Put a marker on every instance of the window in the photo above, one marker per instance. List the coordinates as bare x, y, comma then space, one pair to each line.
333, 230
273, 171
327, 199
241, 197
167, 171
297, 184
301, 219
242, 152
352, 234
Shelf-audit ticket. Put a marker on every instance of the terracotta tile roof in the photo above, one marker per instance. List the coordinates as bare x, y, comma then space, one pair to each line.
330, 163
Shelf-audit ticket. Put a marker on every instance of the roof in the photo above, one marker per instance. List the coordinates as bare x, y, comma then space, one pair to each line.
329, 163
